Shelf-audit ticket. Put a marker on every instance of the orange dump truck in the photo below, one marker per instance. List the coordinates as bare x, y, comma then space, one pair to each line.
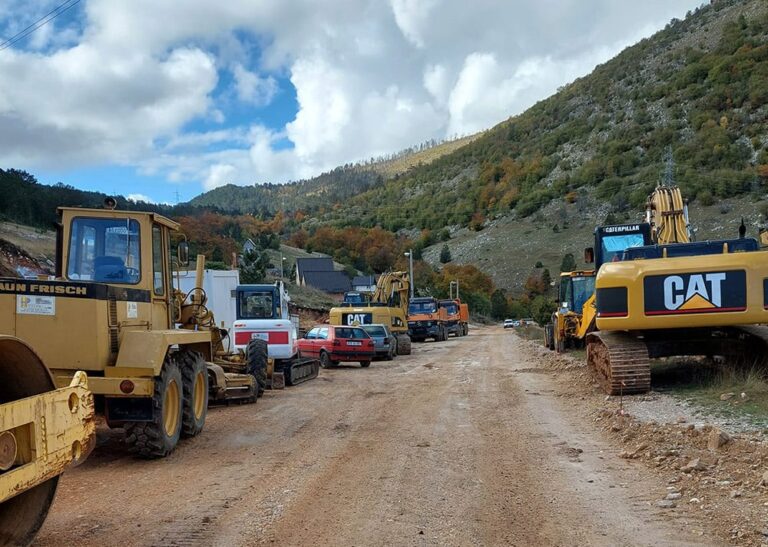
457, 319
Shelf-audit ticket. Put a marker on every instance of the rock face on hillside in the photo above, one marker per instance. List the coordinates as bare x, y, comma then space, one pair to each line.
16, 262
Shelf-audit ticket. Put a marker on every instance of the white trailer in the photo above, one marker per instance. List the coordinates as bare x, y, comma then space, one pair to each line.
220, 287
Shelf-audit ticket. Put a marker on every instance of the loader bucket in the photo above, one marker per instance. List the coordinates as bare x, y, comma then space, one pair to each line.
23, 375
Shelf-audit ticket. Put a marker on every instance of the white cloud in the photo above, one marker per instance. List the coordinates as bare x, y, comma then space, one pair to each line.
139, 197
220, 174
370, 78
411, 17
253, 89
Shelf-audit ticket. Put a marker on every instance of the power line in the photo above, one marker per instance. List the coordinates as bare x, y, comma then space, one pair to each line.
47, 18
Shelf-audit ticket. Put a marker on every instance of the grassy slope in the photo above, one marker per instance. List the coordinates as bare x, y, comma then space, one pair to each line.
398, 166
508, 248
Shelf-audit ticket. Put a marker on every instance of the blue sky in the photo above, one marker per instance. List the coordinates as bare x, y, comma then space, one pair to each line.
152, 98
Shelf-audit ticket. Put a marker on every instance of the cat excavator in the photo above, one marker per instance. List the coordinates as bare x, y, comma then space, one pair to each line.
666, 221
388, 306
658, 293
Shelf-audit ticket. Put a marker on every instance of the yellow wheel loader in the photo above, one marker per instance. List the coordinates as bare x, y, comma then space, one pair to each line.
575, 316
388, 306
674, 297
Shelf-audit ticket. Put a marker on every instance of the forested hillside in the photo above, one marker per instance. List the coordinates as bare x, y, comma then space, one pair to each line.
310, 195
699, 87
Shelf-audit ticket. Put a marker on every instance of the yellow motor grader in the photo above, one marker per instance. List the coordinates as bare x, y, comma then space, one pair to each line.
111, 311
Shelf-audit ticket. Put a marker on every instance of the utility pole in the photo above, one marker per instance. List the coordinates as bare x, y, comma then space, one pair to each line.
409, 254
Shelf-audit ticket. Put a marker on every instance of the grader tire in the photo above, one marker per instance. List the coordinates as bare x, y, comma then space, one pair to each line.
194, 377
23, 375
158, 438
256, 359
403, 344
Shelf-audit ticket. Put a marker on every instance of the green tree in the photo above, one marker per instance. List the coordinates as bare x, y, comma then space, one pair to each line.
445, 255
499, 304
568, 263
254, 267
546, 279
541, 309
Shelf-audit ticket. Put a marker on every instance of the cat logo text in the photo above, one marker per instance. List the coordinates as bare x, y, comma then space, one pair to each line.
710, 292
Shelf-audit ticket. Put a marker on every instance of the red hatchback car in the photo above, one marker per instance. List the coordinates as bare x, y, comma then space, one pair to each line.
332, 344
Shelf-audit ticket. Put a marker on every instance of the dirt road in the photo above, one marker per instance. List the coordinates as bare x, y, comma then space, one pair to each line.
461, 443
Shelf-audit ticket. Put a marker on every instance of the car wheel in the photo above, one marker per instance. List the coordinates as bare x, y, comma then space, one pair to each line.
365, 364
325, 360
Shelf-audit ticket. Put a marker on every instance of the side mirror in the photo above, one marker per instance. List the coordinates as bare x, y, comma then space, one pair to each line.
589, 255
182, 253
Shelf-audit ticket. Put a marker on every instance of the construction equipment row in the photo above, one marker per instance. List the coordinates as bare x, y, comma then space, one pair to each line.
656, 293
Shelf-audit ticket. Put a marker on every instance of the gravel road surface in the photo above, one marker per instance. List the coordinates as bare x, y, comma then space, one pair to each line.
464, 442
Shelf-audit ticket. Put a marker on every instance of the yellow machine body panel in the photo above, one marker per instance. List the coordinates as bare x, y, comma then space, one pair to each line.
42, 430
394, 318
683, 292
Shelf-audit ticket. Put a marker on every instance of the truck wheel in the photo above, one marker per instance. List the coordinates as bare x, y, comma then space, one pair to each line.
158, 438
194, 375
256, 360
325, 360
403, 344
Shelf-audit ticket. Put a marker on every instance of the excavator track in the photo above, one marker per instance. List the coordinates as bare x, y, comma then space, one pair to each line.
300, 371
620, 362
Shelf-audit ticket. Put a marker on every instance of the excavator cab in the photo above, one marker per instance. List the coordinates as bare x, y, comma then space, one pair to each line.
612, 241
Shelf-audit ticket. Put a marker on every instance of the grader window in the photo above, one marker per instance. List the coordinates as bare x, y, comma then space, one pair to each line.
157, 260
104, 250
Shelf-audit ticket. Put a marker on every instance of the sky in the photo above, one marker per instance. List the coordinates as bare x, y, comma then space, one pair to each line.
165, 99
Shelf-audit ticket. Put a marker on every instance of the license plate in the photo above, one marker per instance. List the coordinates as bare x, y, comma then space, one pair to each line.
354, 343
261, 335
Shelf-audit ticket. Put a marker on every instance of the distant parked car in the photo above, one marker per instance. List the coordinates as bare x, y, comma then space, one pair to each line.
332, 344
509, 323
385, 343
